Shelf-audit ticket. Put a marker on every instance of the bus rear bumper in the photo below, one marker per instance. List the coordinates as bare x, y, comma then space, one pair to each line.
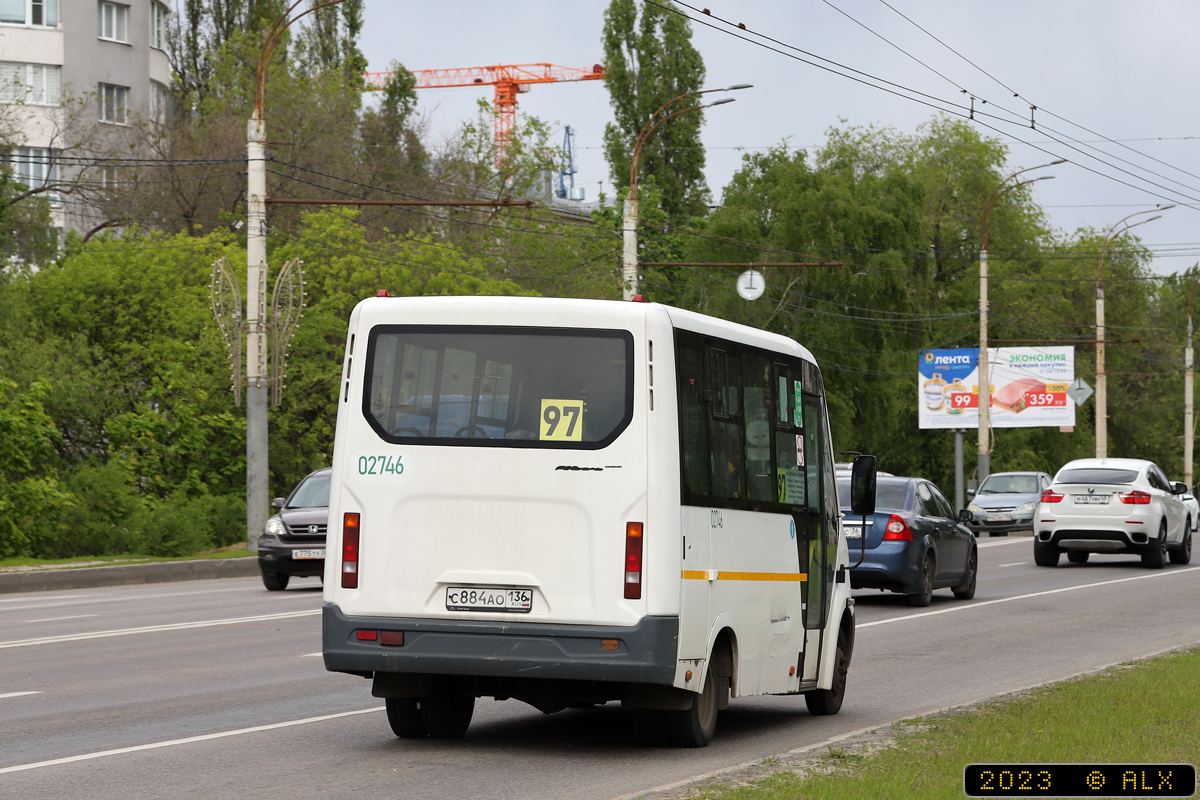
643, 653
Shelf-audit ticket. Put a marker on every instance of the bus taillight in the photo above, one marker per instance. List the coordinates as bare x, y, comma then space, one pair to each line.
633, 561
350, 551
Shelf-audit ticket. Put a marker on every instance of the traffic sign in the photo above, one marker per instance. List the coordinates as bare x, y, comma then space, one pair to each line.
1079, 391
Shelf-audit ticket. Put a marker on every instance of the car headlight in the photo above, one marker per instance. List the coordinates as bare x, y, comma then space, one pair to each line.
274, 527
1026, 508
974, 509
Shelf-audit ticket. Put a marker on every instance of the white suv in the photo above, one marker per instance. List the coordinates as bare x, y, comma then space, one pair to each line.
1112, 505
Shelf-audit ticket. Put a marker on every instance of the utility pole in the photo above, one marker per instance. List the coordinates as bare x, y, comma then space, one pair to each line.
258, 501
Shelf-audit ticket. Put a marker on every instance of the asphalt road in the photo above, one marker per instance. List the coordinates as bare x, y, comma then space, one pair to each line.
216, 689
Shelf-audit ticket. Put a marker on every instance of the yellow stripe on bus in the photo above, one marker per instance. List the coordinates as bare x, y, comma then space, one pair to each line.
702, 575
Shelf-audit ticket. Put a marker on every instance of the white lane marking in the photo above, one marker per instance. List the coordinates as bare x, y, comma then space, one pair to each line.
312, 655
60, 619
136, 597
1025, 540
26, 598
179, 626
1023, 597
16, 694
1014, 564
188, 740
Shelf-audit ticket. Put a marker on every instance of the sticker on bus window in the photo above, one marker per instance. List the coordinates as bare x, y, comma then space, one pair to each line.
799, 450
562, 421
799, 405
790, 486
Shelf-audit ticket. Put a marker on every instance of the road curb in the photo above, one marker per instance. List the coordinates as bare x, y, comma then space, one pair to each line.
52, 580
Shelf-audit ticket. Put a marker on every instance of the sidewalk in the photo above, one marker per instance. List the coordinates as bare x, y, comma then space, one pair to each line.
58, 579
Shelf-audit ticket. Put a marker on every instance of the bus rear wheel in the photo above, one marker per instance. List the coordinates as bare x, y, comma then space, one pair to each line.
695, 726
446, 712
404, 716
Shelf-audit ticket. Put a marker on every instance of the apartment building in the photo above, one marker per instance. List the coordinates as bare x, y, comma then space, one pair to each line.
73, 73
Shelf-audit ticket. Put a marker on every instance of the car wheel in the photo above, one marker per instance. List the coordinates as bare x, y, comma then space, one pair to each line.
275, 581
1183, 553
924, 594
1078, 556
404, 715
1045, 554
1155, 556
966, 589
447, 713
824, 702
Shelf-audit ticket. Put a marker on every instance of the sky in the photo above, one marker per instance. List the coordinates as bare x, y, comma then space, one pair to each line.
1114, 82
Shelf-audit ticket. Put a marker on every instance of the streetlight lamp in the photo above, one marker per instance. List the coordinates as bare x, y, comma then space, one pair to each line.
629, 273
258, 500
1101, 376
984, 467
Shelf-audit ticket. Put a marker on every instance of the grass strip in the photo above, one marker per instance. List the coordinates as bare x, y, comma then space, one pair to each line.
1139, 712
80, 562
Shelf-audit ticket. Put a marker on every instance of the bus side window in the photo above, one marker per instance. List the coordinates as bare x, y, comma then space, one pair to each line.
790, 445
728, 462
693, 427
756, 375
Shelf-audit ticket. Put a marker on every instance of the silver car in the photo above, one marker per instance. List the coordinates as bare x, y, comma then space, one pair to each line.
1006, 502
1112, 505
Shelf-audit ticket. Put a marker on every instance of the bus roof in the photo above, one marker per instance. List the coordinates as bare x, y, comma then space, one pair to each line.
561, 312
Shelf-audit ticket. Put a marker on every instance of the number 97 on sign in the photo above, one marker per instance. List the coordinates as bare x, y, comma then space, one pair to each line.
562, 421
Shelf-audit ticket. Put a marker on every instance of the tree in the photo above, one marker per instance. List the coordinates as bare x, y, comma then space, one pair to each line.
650, 60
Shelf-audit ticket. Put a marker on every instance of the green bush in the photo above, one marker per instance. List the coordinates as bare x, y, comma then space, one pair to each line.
98, 523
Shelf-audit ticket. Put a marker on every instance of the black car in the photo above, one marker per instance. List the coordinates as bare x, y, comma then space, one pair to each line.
915, 543
293, 541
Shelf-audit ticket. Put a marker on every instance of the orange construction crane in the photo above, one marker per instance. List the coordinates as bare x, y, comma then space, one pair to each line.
509, 80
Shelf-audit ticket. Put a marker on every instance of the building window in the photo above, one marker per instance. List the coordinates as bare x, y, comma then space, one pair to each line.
113, 22
158, 25
159, 99
29, 12
114, 100
31, 84
37, 168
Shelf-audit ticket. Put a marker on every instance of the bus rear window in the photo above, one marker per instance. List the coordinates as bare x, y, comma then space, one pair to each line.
507, 387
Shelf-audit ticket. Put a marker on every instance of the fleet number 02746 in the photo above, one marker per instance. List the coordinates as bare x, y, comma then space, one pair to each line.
380, 465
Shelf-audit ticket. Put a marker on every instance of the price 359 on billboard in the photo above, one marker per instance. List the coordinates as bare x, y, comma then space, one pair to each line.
1079, 780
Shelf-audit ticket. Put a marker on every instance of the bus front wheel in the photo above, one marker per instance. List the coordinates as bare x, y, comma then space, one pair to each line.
824, 702
695, 726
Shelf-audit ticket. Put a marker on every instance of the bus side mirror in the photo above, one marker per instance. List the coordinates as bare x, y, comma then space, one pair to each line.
862, 486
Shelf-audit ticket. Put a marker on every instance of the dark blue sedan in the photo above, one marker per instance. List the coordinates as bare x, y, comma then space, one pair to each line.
915, 543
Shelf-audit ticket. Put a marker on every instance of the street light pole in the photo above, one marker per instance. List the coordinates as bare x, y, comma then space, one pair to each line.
983, 449
1101, 373
1188, 407
629, 258
258, 497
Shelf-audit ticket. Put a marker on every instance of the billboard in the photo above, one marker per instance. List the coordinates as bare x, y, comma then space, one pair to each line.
1029, 387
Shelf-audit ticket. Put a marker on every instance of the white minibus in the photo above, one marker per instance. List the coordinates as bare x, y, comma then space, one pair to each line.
576, 502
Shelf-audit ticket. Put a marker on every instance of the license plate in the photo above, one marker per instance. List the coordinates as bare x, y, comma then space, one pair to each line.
313, 553
852, 533
474, 598
999, 517
1091, 499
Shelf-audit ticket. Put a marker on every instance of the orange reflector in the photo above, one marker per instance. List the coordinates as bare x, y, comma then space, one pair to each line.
791, 670
392, 638
687, 676
608, 644
350, 550
367, 636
